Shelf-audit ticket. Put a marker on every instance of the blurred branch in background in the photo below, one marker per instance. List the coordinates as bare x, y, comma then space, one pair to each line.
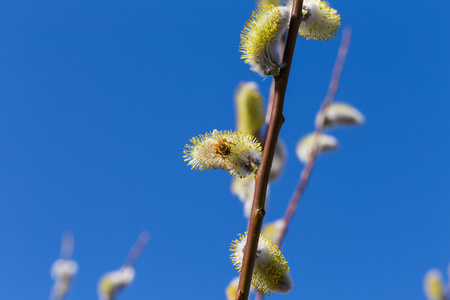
306, 172
113, 282
64, 269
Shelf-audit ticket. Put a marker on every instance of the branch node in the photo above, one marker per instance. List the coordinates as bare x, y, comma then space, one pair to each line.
261, 212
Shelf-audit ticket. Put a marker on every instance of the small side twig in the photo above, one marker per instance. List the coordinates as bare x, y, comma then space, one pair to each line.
262, 177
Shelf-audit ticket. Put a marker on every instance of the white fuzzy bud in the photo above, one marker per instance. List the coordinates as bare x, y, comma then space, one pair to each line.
305, 145
340, 113
113, 282
63, 272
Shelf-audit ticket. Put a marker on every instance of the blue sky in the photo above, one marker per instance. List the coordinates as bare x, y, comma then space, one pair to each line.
98, 99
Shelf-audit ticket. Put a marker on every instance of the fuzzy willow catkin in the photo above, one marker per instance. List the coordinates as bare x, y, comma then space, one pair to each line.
338, 114
249, 105
237, 152
111, 283
63, 271
271, 272
261, 36
319, 21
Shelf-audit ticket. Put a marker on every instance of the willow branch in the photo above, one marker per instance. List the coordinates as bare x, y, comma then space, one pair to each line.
262, 177
329, 98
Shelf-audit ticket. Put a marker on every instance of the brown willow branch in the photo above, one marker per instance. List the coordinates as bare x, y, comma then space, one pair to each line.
262, 177
259, 295
329, 98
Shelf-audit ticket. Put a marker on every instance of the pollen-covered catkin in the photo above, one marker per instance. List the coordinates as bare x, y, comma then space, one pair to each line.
319, 22
433, 285
270, 272
237, 152
261, 36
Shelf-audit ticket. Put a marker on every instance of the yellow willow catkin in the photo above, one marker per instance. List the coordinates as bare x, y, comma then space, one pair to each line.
249, 105
237, 152
433, 285
320, 22
232, 288
268, 2
111, 283
271, 272
261, 36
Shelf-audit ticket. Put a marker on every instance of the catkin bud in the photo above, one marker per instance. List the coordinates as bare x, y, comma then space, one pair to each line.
340, 113
305, 145
111, 283
268, 2
249, 107
62, 271
270, 272
232, 288
273, 230
433, 286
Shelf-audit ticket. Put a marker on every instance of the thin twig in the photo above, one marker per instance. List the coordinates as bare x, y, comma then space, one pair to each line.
137, 249
67, 246
306, 172
262, 177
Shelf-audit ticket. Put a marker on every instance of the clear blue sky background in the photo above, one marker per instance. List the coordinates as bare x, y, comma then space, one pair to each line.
98, 99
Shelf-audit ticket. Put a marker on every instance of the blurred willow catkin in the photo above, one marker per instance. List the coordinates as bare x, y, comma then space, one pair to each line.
268, 2
249, 105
